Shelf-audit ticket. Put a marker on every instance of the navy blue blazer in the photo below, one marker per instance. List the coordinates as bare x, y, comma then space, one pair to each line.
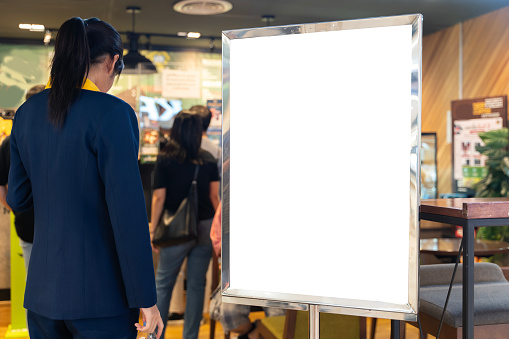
91, 255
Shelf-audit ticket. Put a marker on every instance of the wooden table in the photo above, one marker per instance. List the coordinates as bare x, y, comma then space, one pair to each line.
429, 229
469, 213
449, 247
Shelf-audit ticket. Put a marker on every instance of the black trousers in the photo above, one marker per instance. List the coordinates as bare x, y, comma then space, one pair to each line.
118, 327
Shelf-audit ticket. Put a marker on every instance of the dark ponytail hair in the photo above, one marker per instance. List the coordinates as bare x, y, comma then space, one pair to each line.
185, 138
79, 44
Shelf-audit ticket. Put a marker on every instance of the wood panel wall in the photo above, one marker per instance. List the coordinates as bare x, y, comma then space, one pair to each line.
486, 55
485, 73
440, 72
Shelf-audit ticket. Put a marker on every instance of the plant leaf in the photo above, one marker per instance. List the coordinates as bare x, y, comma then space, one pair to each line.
495, 153
502, 133
497, 143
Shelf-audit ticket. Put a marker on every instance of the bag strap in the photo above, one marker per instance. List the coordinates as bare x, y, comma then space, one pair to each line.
194, 185
196, 173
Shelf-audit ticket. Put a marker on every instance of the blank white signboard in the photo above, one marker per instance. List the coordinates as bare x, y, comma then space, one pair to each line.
321, 132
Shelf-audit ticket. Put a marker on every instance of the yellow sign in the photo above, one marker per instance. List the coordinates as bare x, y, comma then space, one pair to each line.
18, 325
5, 128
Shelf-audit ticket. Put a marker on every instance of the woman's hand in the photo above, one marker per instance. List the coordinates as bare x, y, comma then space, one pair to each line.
151, 320
154, 247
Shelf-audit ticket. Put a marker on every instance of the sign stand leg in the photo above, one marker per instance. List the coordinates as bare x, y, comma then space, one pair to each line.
395, 324
314, 322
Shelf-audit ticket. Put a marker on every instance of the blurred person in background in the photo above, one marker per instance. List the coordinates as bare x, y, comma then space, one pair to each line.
206, 143
174, 171
23, 221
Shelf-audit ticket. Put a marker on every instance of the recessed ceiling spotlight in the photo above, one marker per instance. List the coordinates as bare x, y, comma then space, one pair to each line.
202, 7
268, 19
32, 27
193, 35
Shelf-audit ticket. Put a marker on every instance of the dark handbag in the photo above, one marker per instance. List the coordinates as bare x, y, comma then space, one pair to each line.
182, 226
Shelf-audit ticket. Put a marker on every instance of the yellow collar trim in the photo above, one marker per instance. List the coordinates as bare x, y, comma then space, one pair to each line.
88, 85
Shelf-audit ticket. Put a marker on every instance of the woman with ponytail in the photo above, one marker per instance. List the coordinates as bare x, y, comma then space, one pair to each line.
74, 152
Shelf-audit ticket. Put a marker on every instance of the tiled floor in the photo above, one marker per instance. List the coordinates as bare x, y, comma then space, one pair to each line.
383, 329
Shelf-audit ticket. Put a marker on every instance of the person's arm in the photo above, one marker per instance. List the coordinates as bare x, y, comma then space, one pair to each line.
214, 193
19, 194
215, 231
158, 198
3, 196
116, 145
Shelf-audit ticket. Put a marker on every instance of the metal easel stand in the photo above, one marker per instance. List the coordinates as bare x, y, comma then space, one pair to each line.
395, 328
314, 322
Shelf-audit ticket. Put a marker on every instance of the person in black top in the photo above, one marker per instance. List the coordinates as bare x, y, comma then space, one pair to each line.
173, 174
24, 221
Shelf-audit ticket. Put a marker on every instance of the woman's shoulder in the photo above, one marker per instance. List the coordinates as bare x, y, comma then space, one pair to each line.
206, 157
108, 109
110, 101
164, 159
37, 101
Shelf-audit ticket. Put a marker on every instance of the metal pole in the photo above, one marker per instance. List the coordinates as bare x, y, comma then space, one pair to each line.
468, 281
314, 322
395, 328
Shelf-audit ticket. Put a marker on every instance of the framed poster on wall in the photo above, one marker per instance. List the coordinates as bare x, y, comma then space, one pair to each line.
469, 118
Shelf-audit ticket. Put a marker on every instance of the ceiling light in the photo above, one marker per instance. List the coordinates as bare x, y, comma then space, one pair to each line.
47, 37
32, 27
268, 19
37, 28
134, 62
202, 7
182, 33
193, 35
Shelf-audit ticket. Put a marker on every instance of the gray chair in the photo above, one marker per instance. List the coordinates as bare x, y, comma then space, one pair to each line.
491, 301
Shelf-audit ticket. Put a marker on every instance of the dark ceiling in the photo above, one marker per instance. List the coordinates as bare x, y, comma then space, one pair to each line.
158, 16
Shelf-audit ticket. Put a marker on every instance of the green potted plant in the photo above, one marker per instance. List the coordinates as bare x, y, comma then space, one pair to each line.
496, 181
